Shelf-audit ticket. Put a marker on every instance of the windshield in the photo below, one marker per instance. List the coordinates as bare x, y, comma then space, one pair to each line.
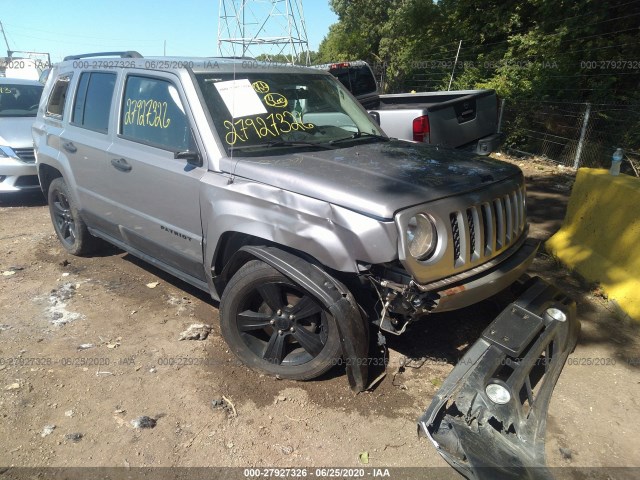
255, 111
19, 100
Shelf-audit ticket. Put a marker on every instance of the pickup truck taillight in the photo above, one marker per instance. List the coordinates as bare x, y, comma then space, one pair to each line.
421, 129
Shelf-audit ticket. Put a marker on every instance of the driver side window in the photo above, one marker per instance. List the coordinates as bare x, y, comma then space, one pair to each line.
153, 113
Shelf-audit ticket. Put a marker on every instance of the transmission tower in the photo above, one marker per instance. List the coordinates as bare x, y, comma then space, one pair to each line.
247, 28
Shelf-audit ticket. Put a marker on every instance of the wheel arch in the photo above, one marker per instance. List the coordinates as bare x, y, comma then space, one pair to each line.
231, 255
334, 296
46, 174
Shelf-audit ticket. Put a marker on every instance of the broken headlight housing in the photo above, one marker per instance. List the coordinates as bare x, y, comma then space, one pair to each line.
422, 236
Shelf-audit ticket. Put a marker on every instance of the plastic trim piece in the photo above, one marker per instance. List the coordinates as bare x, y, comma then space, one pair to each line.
523, 350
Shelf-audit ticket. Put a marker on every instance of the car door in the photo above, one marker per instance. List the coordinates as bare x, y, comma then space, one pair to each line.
153, 194
81, 133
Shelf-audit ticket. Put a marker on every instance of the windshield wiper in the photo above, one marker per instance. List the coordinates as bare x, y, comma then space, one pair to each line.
280, 143
359, 134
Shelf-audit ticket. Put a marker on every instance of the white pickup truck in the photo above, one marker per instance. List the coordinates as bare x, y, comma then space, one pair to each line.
458, 119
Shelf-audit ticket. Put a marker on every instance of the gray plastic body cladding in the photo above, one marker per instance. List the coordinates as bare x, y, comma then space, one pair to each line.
334, 236
484, 440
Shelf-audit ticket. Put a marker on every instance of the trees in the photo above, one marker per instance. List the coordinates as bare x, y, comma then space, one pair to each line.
533, 51
556, 49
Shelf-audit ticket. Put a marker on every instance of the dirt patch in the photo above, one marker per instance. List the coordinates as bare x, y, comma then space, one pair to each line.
88, 336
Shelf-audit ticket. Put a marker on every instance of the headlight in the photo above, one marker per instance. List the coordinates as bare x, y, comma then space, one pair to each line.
421, 236
7, 152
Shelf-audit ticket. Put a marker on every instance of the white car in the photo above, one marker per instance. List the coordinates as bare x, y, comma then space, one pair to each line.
19, 101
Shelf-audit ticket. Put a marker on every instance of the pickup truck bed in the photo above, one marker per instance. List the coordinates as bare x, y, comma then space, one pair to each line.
456, 119
420, 100
452, 119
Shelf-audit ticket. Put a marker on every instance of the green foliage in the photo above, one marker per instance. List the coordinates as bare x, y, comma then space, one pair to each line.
282, 58
543, 49
530, 51
341, 45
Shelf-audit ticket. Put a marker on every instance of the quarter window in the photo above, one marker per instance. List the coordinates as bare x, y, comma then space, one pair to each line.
93, 100
58, 97
152, 113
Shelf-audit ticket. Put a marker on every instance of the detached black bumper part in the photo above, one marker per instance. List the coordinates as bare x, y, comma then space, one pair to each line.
520, 357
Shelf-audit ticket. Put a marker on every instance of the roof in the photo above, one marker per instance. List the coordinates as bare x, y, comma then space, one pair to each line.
132, 59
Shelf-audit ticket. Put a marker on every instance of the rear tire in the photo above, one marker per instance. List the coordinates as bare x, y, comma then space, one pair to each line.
275, 326
67, 222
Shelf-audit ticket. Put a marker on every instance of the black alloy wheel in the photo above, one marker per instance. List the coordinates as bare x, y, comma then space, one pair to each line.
275, 326
67, 222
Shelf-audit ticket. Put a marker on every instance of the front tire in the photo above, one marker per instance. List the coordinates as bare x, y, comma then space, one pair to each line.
275, 326
67, 222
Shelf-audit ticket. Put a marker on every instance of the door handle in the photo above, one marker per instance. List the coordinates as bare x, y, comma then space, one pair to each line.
70, 147
121, 164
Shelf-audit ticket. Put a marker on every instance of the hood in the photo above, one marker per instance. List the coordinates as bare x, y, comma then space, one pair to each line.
15, 132
376, 179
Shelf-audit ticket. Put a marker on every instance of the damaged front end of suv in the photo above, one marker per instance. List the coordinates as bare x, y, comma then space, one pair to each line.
273, 190
488, 419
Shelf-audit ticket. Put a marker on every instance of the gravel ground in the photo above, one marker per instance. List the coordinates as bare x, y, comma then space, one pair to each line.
92, 371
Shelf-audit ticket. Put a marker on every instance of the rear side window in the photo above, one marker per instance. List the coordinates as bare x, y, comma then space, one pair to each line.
152, 113
58, 97
358, 79
93, 100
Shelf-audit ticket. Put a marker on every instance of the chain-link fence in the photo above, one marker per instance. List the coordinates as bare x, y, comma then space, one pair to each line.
573, 134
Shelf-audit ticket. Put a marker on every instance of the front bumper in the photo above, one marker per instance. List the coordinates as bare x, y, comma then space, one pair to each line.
524, 350
17, 176
486, 280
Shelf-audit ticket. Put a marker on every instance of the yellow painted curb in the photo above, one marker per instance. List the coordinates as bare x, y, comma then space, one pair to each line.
600, 236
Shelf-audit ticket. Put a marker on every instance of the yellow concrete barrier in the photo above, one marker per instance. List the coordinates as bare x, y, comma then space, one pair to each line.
600, 236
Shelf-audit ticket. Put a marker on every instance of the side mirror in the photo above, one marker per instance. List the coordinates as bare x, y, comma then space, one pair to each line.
193, 158
375, 116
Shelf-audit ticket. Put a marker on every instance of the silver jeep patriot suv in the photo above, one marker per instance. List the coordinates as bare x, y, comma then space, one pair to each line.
271, 188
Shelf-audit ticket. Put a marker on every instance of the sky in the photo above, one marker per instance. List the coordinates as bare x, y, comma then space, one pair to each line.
189, 27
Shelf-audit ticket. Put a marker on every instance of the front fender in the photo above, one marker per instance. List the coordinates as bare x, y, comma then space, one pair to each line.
336, 298
336, 237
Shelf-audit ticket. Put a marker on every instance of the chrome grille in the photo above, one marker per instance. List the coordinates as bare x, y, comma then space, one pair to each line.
473, 228
25, 154
455, 235
481, 231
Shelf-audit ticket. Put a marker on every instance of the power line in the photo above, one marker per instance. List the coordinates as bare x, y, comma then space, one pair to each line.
484, 46
56, 40
580, 103
590, 49
5, 37
57, 34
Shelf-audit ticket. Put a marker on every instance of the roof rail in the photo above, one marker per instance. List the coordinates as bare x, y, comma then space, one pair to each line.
235, 57
128, 54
